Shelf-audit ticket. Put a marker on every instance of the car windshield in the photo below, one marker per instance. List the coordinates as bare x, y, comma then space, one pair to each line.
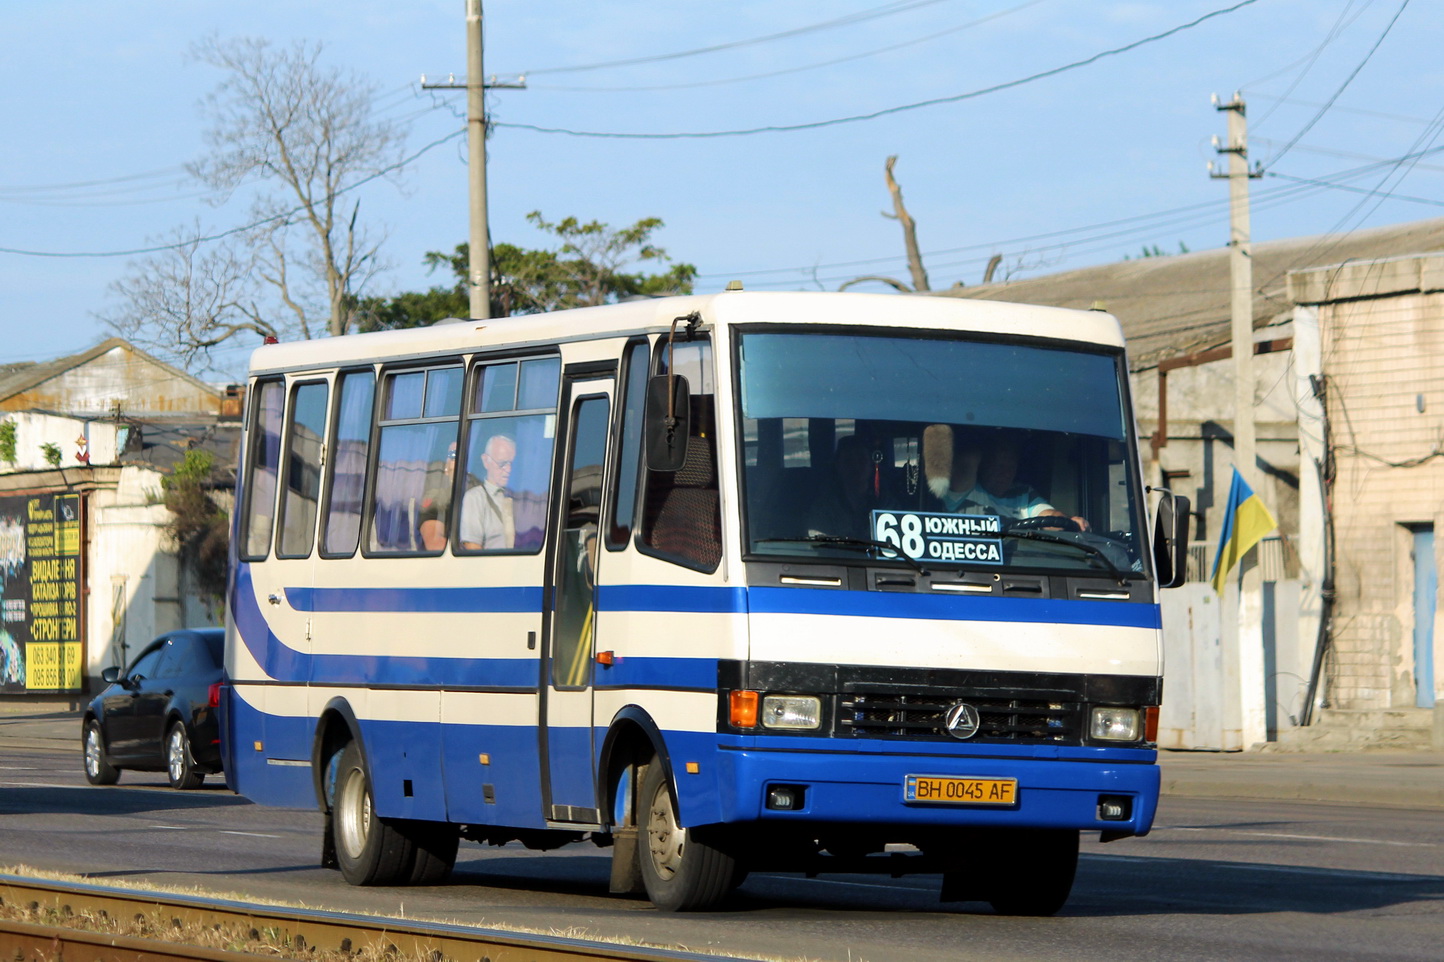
961, 453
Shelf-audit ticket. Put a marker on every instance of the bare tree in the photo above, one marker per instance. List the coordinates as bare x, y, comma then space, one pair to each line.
296, 137
909, 226
189, 298
910, 241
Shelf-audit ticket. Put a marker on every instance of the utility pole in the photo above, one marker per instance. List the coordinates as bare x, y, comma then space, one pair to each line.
1240, 263
479, 243
1252, 690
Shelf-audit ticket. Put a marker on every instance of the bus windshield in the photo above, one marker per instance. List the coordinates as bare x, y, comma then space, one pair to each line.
952, 452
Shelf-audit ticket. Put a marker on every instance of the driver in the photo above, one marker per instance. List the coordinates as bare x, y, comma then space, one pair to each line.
998, 490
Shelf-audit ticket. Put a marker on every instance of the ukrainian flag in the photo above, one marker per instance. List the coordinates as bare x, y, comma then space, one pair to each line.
1245, 522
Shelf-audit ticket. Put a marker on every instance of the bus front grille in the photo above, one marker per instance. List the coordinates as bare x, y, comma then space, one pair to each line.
1002, 717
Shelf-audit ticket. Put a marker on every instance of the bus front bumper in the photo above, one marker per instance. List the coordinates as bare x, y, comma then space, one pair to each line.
1098, 791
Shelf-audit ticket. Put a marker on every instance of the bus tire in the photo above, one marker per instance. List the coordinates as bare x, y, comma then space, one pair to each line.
681, 872
435, 844
371, 850
1039, 873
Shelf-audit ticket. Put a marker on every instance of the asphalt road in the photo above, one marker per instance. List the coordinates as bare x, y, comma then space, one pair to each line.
1218, 880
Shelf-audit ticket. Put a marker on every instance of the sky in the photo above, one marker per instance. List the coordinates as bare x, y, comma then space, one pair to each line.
1057, 133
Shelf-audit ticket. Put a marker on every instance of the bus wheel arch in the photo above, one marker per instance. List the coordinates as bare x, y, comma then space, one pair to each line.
633, 741
335, 729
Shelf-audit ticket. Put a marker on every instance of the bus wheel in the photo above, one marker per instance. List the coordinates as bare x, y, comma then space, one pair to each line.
370, 850
435, 844
1039, 874
680, 872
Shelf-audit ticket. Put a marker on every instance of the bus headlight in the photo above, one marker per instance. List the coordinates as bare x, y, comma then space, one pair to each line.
792, 711
1116, 724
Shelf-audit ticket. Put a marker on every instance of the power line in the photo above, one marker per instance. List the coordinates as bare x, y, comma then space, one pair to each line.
1387, 195
165, 172
813, 125
1312, 58
1177, 218
238, 230
805, 67
886, 10
1342, 87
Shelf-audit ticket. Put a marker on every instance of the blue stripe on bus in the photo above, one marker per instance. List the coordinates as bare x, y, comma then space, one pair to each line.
284, 663
420, 600
672, 598
281, 661
699, 674
889, 604
701, 599
874, 604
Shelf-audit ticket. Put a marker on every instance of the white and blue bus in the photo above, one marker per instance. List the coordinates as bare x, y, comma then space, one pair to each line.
787, 582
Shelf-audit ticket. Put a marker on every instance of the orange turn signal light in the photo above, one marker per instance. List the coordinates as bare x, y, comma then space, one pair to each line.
1150, 724
743, 709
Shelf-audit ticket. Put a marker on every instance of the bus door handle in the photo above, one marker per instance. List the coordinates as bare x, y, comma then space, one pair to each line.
273, 598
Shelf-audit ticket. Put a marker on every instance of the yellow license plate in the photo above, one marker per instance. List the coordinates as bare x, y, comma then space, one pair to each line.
960, 791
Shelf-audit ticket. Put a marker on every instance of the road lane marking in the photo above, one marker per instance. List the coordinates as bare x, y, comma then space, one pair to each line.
1302, 838
251, 834
1342, 873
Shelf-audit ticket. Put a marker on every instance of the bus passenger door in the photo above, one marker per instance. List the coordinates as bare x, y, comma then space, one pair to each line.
568, 752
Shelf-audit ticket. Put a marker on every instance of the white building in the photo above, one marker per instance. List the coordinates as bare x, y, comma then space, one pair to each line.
90, 572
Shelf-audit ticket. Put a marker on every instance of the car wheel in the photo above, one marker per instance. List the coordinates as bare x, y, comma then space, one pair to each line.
180, 766
98, 771
371, 850
681, 872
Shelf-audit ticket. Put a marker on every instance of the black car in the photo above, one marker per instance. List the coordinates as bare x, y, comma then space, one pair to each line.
160, 714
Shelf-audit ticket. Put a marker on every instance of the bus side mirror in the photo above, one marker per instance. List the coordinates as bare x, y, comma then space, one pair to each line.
666, 425
1170, 540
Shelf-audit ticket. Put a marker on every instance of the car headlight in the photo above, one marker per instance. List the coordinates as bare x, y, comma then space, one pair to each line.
1116, 724
791, 711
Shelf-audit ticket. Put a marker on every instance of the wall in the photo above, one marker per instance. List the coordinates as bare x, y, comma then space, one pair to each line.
32, 431
1384, 359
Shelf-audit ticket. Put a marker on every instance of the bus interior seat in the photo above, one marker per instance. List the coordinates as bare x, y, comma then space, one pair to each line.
683, 512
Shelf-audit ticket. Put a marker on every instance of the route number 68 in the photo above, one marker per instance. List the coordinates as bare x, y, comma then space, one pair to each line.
905, 532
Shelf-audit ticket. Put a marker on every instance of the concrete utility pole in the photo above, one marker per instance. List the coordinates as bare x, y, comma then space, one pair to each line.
1240, 263
1253, 696
479, 242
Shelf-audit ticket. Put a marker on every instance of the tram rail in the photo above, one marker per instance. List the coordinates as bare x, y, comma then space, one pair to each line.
48, 907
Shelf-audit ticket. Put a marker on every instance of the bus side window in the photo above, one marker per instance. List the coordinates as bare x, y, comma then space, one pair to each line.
681, 513
420, 417
263, 461
507, 452
304, 439
349, 448
629, 460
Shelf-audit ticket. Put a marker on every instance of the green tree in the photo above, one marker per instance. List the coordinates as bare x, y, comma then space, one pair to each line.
587, 268
200, 527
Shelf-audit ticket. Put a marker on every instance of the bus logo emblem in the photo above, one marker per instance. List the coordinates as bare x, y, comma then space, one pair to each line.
961, 721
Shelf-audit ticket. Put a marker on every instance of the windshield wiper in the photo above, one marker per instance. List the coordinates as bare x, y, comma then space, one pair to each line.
1093, 550
843, 542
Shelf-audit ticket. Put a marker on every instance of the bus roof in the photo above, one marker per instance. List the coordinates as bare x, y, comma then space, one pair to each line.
720, 310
